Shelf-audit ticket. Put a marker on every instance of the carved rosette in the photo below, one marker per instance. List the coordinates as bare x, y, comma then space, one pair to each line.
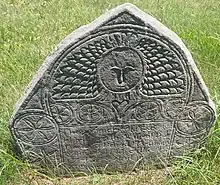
196, 118
35, 128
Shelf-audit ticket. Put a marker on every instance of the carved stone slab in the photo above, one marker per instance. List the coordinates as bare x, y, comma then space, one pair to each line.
120, 92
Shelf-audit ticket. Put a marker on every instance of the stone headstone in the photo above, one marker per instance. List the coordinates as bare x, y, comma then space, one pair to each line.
120, 92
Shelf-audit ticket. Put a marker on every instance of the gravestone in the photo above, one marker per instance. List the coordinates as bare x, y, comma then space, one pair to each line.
118, 93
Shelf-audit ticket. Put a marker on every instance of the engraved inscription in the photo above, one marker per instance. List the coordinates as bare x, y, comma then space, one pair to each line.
103, 144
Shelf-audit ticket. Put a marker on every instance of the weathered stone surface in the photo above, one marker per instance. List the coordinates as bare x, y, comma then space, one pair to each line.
120, 92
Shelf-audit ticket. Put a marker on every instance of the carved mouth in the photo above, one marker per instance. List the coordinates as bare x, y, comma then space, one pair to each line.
123, 84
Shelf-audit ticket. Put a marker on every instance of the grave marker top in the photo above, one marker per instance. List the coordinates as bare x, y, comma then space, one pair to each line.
121, 90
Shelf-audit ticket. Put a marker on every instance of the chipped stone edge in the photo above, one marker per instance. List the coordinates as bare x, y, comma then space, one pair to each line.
76, 35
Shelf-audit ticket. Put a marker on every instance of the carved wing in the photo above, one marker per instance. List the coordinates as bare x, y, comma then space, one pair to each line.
164, 74
76, 77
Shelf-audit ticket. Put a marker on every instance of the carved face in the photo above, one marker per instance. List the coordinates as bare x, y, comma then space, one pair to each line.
121, 69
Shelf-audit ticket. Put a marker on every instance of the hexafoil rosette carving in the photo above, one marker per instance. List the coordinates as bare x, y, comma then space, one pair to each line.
121, 91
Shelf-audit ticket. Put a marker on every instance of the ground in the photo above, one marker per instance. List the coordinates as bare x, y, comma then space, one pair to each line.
30, 29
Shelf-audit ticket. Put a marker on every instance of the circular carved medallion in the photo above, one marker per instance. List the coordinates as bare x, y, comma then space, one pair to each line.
195, 119
90, 113
62, 113
35, 129
121, 69
146, 111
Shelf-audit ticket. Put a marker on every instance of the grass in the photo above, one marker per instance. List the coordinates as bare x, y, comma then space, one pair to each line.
30, 29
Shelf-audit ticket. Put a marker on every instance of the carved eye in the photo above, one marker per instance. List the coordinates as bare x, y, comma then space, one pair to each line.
127, 69
115, 68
